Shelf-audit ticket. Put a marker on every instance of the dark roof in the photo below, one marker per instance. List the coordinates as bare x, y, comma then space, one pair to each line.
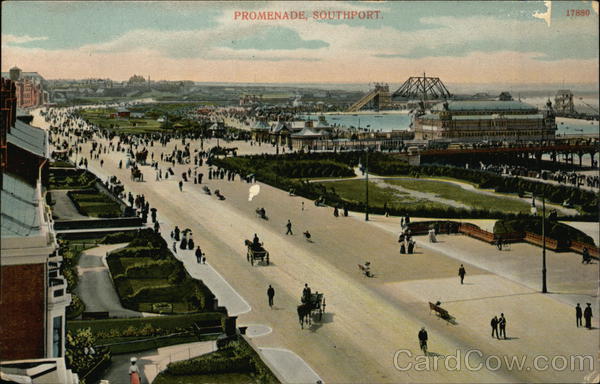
485, 105
19, 208
29, 138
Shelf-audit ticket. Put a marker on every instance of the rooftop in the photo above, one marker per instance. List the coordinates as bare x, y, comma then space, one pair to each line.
19, 208
29, 138
485, 105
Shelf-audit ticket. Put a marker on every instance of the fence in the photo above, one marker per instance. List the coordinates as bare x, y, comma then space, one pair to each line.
474, 231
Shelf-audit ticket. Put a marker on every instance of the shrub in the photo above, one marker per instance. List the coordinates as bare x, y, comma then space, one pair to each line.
563, 233
154, 270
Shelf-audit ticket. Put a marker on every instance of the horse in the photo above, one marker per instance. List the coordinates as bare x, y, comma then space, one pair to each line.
304, 310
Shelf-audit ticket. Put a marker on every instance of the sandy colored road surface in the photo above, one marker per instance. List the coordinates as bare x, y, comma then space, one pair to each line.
367, 321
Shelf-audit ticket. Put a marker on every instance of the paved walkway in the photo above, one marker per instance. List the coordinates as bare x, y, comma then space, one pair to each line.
64, 209
291, 367
568, 280
154, 361
95, 285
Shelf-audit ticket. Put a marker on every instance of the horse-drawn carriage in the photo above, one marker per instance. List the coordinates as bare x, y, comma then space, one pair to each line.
312, 305
136, 174
256, 252
141, 156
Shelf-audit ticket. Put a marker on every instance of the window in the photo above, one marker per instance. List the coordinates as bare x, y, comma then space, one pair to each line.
57, 337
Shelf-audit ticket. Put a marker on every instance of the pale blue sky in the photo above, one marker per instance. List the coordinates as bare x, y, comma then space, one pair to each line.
206, 31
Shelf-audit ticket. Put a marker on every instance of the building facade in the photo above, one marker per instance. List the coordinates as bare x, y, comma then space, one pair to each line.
33, 293
29, 86
489, 120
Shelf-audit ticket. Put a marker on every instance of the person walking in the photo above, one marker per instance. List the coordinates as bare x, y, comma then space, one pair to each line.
462, 272
502, 324
271, 295
289, 228
303, 205
134, 372
180, 186
578, 315
198, 255
586, 256
587, 314
423, 340
494, 324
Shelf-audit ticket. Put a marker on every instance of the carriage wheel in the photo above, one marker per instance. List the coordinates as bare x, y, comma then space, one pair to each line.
248, 256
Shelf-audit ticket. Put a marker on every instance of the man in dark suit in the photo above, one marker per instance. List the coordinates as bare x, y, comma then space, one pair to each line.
587, 314
462, 272
578, 315
271, 294
502, 324
494, 324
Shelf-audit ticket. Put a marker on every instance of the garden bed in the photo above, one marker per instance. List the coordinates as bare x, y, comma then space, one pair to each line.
93, 203
236, 357
146, 273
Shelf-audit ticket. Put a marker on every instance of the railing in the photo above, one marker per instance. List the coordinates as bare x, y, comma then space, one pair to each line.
539, 240
472, 230
578, 247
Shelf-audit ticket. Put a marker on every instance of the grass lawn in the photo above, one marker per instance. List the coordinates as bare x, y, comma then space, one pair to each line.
473, 199
127, 262
226, 378
101, 117
97, 205
138, 284
354, 190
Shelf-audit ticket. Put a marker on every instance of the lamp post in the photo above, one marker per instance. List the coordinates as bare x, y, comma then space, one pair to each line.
367, 184
544, 288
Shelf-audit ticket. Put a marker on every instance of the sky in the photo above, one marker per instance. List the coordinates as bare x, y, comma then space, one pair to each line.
505, 42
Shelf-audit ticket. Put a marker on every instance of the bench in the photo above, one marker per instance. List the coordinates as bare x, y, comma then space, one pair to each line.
440, 311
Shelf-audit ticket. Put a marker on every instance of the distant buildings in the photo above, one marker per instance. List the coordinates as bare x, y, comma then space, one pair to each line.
490, 120
33, 293
563, 102
29, 88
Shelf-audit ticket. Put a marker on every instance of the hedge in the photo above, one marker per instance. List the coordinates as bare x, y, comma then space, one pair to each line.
212, 365
554, 230
163, 322
153, 270
178, 286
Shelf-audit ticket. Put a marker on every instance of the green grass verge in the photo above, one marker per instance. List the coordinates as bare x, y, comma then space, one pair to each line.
96, 204
454, 192
354, 191
163, 322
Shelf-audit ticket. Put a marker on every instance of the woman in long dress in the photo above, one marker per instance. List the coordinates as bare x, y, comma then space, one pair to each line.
134, 372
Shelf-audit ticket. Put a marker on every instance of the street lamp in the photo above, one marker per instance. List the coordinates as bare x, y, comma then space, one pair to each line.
367, 184
544, 288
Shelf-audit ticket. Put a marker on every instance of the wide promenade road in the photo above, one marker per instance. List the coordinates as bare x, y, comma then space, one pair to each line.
367, 320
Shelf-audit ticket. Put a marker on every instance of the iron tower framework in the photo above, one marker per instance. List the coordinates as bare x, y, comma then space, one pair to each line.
422, 88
